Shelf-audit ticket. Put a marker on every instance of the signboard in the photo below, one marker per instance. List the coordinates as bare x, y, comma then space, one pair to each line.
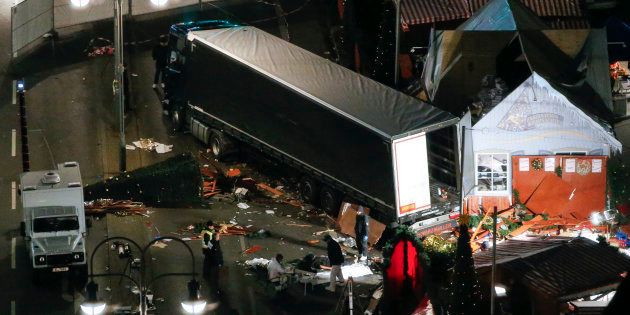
436, 228
411, 174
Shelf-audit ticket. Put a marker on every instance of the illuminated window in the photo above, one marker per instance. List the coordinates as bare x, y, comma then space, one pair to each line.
492, 172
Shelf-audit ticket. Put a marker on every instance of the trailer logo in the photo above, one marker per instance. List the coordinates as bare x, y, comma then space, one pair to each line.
408, 208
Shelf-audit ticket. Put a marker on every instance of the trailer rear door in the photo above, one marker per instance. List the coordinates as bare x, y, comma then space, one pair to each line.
411, 174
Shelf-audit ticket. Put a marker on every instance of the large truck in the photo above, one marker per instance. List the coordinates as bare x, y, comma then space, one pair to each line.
54, 226
349, 136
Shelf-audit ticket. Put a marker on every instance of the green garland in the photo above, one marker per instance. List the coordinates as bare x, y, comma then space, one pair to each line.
537, 164
559, 171
404, 232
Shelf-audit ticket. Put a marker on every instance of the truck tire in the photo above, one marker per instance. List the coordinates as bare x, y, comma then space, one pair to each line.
177, 119
309, 190
221, 145
330, 200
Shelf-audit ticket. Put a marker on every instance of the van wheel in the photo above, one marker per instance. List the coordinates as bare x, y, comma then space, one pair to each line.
177, 119
221, 145
309, 190
330, 200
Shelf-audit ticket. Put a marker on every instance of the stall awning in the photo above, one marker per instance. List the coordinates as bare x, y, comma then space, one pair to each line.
423, 11
542, 8
558, 14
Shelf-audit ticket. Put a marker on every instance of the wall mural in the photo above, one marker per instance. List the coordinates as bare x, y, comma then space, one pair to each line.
541, 112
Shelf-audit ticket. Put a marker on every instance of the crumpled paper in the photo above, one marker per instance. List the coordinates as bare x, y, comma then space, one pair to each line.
149, 145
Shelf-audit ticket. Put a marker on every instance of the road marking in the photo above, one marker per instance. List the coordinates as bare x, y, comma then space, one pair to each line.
13, 253
13, 195
12, 307
14, 94
13, 141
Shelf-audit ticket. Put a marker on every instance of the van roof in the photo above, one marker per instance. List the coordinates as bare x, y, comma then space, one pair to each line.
69, 174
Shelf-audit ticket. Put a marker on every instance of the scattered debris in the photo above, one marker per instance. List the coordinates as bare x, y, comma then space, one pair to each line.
324, 231
299, 225
242, 205
312, 242
99, 46
130, 147
159, 245
118, 207
149, 145
163, 148
257, 262
275, 193
270, 212
253, 249
259, 234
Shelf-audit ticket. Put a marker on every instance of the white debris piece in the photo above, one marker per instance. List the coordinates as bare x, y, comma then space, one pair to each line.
130, 147
262, 262
163, 148
354, 271
270, 212
242, 205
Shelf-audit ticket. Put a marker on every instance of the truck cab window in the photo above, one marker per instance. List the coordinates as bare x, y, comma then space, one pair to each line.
53, 224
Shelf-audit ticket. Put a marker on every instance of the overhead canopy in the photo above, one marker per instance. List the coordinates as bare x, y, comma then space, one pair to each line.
513, 56
503, 15
559, 267
556, 14
422, 11
562, 14
383, 110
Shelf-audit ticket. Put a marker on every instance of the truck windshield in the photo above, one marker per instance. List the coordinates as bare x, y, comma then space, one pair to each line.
53, 224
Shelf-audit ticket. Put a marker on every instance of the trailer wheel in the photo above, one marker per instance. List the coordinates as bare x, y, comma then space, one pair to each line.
220, 145
330, 200
309, 189
177, 119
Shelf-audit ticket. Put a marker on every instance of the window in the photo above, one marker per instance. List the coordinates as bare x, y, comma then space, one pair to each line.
492, 172
53, 224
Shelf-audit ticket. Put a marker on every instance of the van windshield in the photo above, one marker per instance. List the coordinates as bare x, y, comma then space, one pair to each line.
53, 224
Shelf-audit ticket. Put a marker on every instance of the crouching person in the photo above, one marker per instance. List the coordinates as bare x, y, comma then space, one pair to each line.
277, 273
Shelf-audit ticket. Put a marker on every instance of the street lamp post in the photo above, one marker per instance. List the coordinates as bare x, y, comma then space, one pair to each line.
397, 44
118, 84
193, 304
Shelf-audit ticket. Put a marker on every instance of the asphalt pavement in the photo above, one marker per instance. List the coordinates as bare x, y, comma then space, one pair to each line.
71, 117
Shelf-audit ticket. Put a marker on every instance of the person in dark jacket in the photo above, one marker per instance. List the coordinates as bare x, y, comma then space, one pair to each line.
213, 260
336, 259
160, 56
361, 230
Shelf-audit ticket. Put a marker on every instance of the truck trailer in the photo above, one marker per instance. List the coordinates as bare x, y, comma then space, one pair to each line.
349, 136
54, 226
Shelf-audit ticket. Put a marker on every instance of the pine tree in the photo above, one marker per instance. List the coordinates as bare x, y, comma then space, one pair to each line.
465, 293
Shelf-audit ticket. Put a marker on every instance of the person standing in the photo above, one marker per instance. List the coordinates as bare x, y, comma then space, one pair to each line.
361, 230
206, 237
160, 56
335, 256
214, 262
